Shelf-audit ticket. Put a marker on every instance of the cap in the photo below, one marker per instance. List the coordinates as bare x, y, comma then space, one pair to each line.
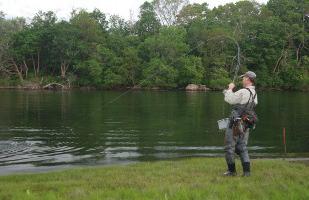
249, 74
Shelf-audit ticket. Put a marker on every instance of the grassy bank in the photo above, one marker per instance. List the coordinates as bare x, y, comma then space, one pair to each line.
198, 178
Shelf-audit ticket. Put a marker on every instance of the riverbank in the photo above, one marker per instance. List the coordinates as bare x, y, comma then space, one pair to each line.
198, 178
136, 89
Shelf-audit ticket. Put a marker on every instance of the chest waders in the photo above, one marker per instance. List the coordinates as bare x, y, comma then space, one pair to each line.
242, 118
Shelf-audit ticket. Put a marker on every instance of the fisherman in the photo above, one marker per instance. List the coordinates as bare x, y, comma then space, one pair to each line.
242, 119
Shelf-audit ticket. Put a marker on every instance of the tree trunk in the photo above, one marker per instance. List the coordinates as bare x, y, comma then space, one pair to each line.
34, 67
19, 73
38, 67
26, 69
279, 61
50, 85
64, 67
298, 54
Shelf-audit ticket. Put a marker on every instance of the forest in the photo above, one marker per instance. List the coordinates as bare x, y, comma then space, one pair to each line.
171, 44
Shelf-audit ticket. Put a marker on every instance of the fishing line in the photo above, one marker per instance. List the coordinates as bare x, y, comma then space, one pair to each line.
154, 74
141, 82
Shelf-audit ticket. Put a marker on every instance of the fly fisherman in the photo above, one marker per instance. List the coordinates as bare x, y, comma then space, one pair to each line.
242, 119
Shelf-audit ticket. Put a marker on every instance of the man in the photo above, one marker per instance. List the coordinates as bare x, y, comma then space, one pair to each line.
237, 132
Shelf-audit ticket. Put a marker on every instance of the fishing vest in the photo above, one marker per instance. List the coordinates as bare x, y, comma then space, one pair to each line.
244, 115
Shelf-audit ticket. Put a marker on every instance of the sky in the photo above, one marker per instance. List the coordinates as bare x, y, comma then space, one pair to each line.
127, 9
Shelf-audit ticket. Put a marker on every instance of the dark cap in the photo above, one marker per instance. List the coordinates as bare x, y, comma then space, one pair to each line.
249, 74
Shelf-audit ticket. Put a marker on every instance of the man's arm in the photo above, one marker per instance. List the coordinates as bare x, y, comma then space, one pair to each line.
232, 97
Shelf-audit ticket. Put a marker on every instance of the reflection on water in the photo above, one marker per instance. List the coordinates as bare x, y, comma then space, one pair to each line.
50, 130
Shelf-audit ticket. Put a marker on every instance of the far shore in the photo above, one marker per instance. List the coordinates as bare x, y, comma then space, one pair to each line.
92, 88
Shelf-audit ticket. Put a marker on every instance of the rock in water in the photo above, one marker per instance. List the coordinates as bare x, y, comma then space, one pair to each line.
194, 87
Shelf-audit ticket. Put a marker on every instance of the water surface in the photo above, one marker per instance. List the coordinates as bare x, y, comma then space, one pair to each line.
43, 130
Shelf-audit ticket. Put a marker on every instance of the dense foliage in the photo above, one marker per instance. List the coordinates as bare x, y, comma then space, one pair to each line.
172, 44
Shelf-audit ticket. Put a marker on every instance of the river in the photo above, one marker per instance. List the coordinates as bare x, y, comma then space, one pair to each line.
45, 130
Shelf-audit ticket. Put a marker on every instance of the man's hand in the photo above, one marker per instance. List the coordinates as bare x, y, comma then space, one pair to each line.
231, 86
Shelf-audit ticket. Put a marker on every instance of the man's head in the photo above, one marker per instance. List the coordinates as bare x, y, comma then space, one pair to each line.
248, 78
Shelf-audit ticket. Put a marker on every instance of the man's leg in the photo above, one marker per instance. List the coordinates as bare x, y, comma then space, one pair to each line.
243, 152
246, 138
229, 152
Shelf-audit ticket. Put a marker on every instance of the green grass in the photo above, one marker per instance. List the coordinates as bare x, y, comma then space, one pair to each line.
198, 178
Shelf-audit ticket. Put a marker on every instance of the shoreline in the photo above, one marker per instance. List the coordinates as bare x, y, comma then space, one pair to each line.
91, 88
51, 169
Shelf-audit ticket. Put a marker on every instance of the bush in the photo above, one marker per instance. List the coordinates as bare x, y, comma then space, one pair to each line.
90, 72
219, 79
6, 82
158, 74
304, 83
219, 84
112, 79
190, 71
291, 78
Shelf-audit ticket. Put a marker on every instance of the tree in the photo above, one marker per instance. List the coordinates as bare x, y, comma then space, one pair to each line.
169, 45
167, 10
119, 26
100, 19
292, 13
25, 46
172, 43
41, 35
148, 23
192, 12
90, 36
111, 75
64, 49
8, 27
131, 66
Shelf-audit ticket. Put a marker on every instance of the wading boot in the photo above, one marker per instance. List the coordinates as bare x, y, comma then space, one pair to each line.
246, 169
231, 170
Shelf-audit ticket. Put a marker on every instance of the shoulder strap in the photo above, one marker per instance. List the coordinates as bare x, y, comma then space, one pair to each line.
251, 96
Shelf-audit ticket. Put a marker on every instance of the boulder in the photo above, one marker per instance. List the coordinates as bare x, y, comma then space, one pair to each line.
194, 87
136, 87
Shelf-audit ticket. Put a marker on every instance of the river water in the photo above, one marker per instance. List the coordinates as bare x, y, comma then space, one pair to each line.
45, 130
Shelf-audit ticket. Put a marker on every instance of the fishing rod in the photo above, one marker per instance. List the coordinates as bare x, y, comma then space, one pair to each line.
238, 62
238, 52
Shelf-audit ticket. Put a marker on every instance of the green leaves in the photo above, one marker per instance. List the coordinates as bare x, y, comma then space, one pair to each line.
168, 45
191, 71
159, 74
171, 44
148, 23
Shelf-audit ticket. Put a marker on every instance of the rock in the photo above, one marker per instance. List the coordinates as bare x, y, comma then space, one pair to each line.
136, 87
203, 88
194, 87
155, 88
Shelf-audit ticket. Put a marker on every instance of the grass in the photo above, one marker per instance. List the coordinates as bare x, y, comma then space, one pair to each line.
198, 178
